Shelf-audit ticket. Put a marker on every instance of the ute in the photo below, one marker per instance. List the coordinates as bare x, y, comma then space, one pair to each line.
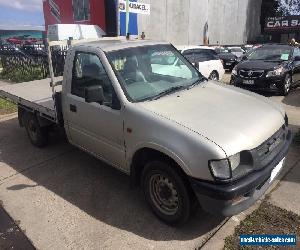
184, 139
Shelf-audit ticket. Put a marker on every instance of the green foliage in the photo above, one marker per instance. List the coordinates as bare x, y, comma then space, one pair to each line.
7, 107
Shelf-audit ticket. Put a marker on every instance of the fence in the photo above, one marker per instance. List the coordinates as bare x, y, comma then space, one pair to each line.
30, 62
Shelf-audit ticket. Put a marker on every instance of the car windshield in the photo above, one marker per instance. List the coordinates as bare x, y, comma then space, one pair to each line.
236, 50
149, 72
270, 53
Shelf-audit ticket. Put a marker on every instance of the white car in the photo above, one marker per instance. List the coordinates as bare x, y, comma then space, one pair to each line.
205, 59
238, 51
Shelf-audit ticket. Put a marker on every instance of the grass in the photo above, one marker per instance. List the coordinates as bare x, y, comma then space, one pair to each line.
7, 107
267, 219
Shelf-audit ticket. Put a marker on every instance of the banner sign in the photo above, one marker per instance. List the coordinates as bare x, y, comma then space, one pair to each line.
289, 23
135, 7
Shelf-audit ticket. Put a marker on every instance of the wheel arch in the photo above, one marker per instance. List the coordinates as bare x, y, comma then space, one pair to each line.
142, 155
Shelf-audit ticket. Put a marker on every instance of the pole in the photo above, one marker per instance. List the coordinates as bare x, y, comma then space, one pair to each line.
127, 17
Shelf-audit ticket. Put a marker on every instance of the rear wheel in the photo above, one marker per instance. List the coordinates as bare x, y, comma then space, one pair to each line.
166, 193
214, 76
286, 85
37, 135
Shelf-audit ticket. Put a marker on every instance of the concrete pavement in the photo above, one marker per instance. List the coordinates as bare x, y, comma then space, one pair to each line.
66, 199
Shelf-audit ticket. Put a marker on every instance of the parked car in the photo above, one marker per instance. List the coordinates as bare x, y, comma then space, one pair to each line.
238, 51
205, 59
273, 68
183, 139
229, 60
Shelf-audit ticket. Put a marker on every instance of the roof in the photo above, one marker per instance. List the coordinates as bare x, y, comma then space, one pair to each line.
111, 44
276, 45
186, 47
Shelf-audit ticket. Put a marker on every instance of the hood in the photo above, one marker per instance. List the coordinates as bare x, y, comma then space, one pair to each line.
258, 64
233, 118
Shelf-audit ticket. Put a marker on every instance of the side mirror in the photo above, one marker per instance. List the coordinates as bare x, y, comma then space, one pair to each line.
94, 94
297, 59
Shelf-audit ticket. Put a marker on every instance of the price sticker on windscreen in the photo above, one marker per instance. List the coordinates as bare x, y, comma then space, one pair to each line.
284, 57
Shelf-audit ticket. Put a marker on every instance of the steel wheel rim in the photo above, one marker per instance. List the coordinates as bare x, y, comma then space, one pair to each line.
163, 194
32, 130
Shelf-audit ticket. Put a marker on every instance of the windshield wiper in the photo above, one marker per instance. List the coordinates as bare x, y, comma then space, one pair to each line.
168, 91
199, 80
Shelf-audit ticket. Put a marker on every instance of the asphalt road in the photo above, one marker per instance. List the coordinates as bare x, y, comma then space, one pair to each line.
66, 199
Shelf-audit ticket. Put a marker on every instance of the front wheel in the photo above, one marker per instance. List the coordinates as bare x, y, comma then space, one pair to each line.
166, 193
214, 76
286, 85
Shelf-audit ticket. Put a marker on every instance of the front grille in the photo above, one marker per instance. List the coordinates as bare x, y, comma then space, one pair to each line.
265, 153
251, 73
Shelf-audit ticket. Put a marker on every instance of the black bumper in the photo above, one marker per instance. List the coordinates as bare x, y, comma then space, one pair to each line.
273, 84
232, 198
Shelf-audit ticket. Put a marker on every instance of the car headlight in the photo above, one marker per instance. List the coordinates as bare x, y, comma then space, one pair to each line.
277, 72
220, 169
234, 71
235, 161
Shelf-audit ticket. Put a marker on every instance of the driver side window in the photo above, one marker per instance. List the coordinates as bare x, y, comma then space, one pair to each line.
88, 71
296, 52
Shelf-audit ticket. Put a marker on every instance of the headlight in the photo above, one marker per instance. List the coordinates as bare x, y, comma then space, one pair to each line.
277, 72
220, 169
234, 71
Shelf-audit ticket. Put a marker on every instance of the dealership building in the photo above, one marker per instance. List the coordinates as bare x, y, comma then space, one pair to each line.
178, 21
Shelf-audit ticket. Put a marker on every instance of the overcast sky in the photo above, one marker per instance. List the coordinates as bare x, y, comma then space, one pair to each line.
21, 12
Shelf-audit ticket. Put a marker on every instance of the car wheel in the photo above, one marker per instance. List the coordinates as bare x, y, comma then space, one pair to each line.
286, 85
37, 135
166, 193
214, 76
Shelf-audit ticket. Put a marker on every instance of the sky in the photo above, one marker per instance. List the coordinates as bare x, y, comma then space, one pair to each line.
16, 13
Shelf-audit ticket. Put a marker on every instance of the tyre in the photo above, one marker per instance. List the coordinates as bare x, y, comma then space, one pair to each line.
166, 193
286, 85
214, 76
37, 135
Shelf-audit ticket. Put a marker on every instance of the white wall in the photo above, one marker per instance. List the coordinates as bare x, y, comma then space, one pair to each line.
182, 21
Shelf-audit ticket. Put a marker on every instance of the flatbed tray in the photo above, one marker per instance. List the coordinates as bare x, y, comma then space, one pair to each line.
34, 95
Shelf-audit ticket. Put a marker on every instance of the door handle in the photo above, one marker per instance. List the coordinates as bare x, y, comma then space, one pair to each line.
73, 108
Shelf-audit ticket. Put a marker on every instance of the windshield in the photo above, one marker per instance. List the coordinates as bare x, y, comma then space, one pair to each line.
236, 50
271, 53
148, 72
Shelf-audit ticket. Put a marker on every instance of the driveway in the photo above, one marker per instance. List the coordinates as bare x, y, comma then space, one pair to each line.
66, 199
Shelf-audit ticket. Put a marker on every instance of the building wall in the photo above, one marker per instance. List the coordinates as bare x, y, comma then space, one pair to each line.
97, 13
183, 21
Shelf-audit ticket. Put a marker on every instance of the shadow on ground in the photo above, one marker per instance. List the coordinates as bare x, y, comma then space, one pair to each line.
91, 185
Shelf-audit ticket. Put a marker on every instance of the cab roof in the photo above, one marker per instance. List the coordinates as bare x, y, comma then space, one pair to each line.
118, 44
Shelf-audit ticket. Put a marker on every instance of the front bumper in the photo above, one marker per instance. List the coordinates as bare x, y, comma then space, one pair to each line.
234, 197
272, 84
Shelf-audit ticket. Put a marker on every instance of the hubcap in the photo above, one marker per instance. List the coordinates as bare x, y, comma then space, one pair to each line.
163, 194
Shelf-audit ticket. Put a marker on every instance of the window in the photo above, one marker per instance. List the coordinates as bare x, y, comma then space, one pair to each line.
148, 72
89, 71
81, 10
202, 55
296, 52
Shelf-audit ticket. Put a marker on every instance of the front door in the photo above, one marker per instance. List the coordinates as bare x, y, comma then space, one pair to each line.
96, 128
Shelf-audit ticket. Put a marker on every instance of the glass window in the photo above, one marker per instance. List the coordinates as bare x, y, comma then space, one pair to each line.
148, 72
271, 53
296, 52
81, 10
89, 71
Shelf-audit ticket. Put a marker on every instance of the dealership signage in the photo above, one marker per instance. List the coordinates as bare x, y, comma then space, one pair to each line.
290, 23
135, 7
